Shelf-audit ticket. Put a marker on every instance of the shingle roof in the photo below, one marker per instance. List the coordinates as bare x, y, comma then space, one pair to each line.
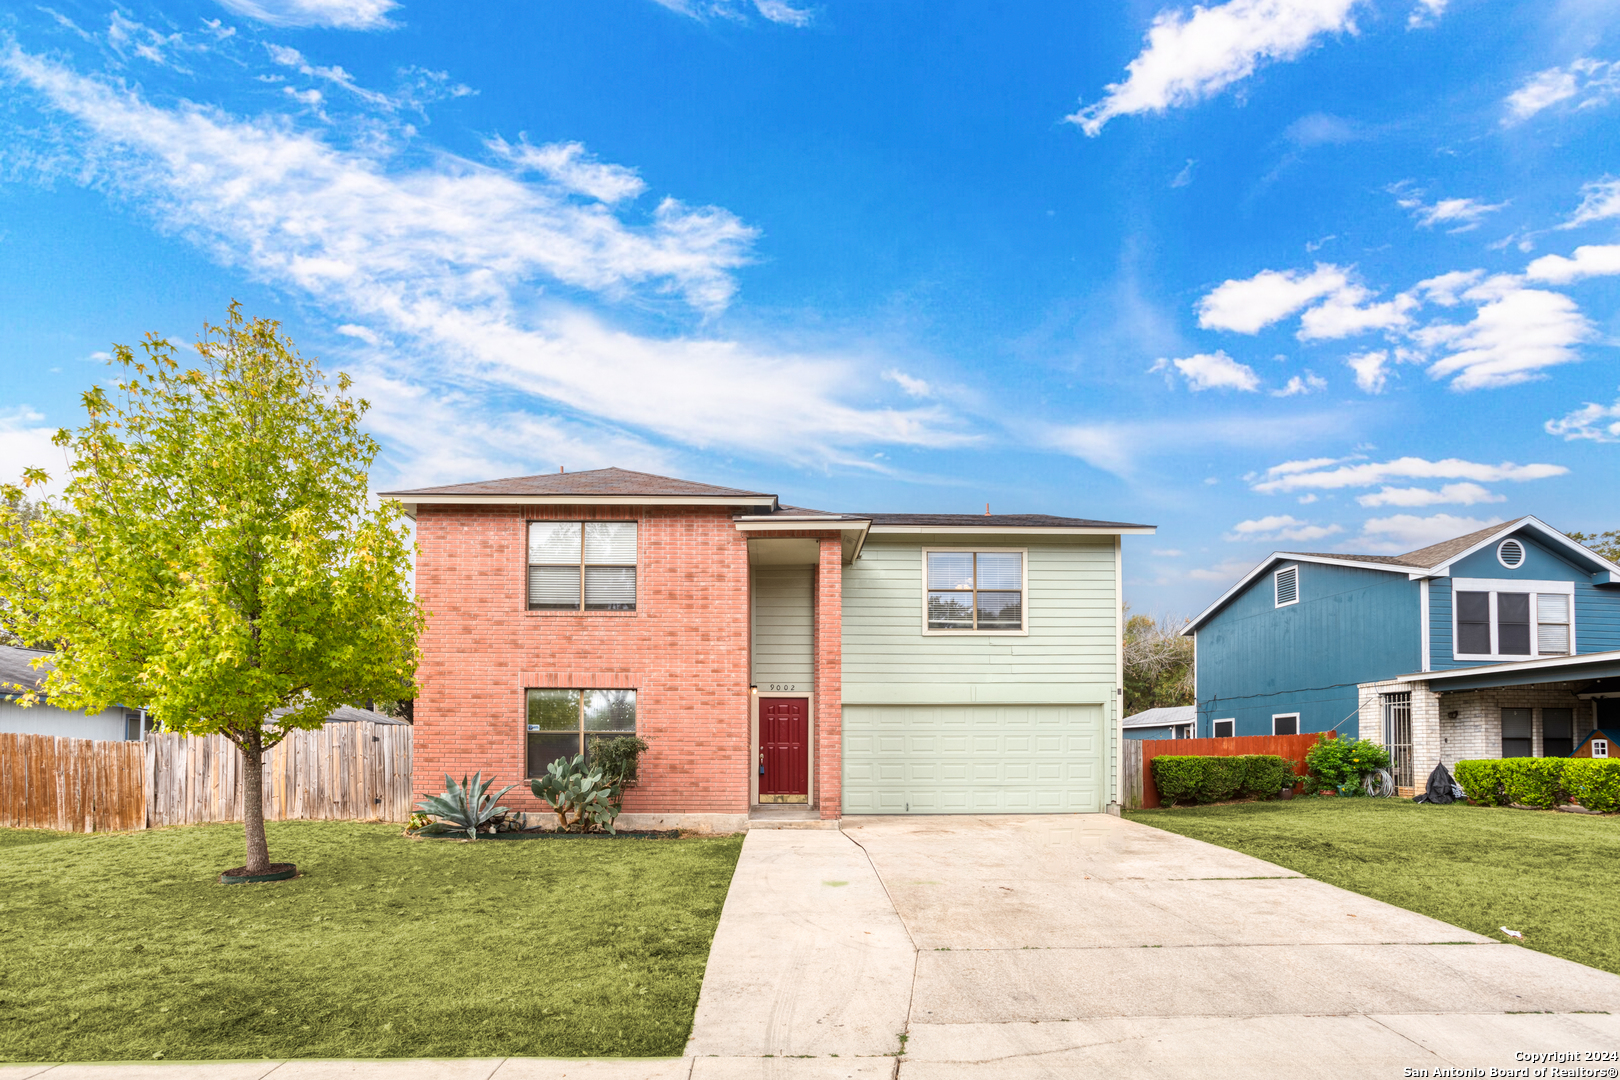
592, 482
1422, 558
1010, 521
1162, 717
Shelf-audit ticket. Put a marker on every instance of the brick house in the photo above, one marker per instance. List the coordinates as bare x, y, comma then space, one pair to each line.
780, 662
1501, 643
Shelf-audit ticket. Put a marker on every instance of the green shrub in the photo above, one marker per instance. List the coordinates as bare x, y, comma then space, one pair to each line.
582, 796
1185, 778
465, 807
1481, 781
1340, 764
1534, 782
1593, 784
618, 758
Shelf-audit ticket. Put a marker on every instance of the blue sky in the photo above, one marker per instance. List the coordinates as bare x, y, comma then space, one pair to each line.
1272, 274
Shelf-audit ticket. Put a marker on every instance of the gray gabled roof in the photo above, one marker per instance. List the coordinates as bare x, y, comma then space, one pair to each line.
1423, 558
593, 483
1166, 716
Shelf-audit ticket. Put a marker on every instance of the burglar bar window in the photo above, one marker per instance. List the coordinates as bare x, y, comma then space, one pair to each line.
582, 566
976, 590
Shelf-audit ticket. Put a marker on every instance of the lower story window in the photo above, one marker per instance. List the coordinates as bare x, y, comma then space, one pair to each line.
1557, 732
1224, 728
563, 723
1285, 724
1517, 727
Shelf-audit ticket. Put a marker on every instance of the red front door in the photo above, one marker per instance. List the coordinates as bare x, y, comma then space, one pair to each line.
784, 750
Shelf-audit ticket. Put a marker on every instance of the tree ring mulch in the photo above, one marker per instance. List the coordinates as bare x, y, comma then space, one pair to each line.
279, 871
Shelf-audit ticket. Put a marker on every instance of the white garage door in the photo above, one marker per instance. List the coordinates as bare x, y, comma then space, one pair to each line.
973, 759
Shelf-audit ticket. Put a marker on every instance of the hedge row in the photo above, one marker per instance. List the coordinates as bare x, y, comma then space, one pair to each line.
1184, 778
1542, 782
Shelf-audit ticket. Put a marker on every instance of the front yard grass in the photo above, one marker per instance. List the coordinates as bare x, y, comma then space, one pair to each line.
122, 946
1548, 875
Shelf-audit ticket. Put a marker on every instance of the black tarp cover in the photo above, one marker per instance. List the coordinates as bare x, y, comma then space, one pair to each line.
1442, 788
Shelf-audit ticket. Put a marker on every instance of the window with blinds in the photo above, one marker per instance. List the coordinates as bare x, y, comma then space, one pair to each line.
582, 566
1500, 624
975, 590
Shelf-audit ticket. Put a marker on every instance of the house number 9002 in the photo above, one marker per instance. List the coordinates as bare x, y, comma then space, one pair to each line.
780, 686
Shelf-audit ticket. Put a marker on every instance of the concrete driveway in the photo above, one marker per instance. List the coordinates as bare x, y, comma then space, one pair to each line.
1054, 946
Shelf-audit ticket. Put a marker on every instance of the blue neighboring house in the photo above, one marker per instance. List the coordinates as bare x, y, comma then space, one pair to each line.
1501, 643
1165, 722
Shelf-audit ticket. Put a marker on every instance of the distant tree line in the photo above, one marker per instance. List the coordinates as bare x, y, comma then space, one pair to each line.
1158, 663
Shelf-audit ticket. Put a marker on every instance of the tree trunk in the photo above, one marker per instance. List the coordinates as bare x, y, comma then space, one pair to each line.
258, 849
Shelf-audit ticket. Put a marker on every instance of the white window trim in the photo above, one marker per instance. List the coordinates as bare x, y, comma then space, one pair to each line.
1274, 579
1600, 744
1283, 716
1024, 591
1223, 720
1511, 585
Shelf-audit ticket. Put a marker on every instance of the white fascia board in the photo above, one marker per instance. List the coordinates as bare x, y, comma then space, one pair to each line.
1547, 532
1510, 667
1265, 564
1011, 530
413, 503
777, 524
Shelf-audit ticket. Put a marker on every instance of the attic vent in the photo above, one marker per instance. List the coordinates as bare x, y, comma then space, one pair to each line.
1510, 553
1287, 581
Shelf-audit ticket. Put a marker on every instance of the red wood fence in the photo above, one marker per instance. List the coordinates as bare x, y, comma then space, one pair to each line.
1141, 792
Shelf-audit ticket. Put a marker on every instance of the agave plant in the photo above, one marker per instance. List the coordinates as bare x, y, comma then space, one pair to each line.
582, 797
465, 807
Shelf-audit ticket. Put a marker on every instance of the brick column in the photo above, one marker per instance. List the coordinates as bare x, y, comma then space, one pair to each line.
829, 645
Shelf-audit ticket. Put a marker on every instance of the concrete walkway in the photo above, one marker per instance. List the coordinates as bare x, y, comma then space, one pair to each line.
927, 948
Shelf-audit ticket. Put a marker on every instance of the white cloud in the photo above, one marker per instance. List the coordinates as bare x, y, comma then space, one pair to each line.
1465, 494
1443, 290
25, 443
1212, 371
1408, 532
1169, 553
1589, 261
337, 14
1251, 304
1510, 340
777, 11
1599, 423
1301, 384
452, 260
1191, 56
1328, 474
573, 168
1371, 370
1463, 214
1117, 446
1347, 313
1600, 200
911, 385
1425, 13
1594, 82
1280, 527
1225, 572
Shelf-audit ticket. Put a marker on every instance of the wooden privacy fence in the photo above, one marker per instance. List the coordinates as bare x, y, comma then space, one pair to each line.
1139, 790
73, 785
357, 771
351, 771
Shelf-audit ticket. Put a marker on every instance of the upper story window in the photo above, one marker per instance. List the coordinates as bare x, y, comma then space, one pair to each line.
975, 591
1512, 620
582, 566
1285, 584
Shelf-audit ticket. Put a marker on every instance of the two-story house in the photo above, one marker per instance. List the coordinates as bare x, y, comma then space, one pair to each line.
778, 661
1501, 643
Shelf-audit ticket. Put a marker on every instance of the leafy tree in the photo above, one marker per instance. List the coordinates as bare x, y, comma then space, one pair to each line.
1158, 663
214, 558
20, 512
1606, 544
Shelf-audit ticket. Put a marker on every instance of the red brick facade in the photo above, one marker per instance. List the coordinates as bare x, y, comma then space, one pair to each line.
684, 650
829, 653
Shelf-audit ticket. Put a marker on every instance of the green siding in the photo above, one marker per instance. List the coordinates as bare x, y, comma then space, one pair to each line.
783, 618
1068, 656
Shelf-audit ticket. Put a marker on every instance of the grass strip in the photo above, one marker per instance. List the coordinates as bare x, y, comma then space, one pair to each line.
1549, 875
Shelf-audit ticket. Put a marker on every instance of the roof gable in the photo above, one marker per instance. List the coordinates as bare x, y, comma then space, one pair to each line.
593, 483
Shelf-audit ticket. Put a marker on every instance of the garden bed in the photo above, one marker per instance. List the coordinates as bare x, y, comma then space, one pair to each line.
557, 834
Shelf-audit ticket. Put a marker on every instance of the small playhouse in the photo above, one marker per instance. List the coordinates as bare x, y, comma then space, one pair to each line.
1599, 744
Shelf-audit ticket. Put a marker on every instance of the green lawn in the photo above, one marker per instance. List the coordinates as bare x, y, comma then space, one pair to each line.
122, 946
1549, 875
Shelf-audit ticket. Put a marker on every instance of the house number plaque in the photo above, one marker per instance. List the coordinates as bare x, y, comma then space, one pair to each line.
781, 687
